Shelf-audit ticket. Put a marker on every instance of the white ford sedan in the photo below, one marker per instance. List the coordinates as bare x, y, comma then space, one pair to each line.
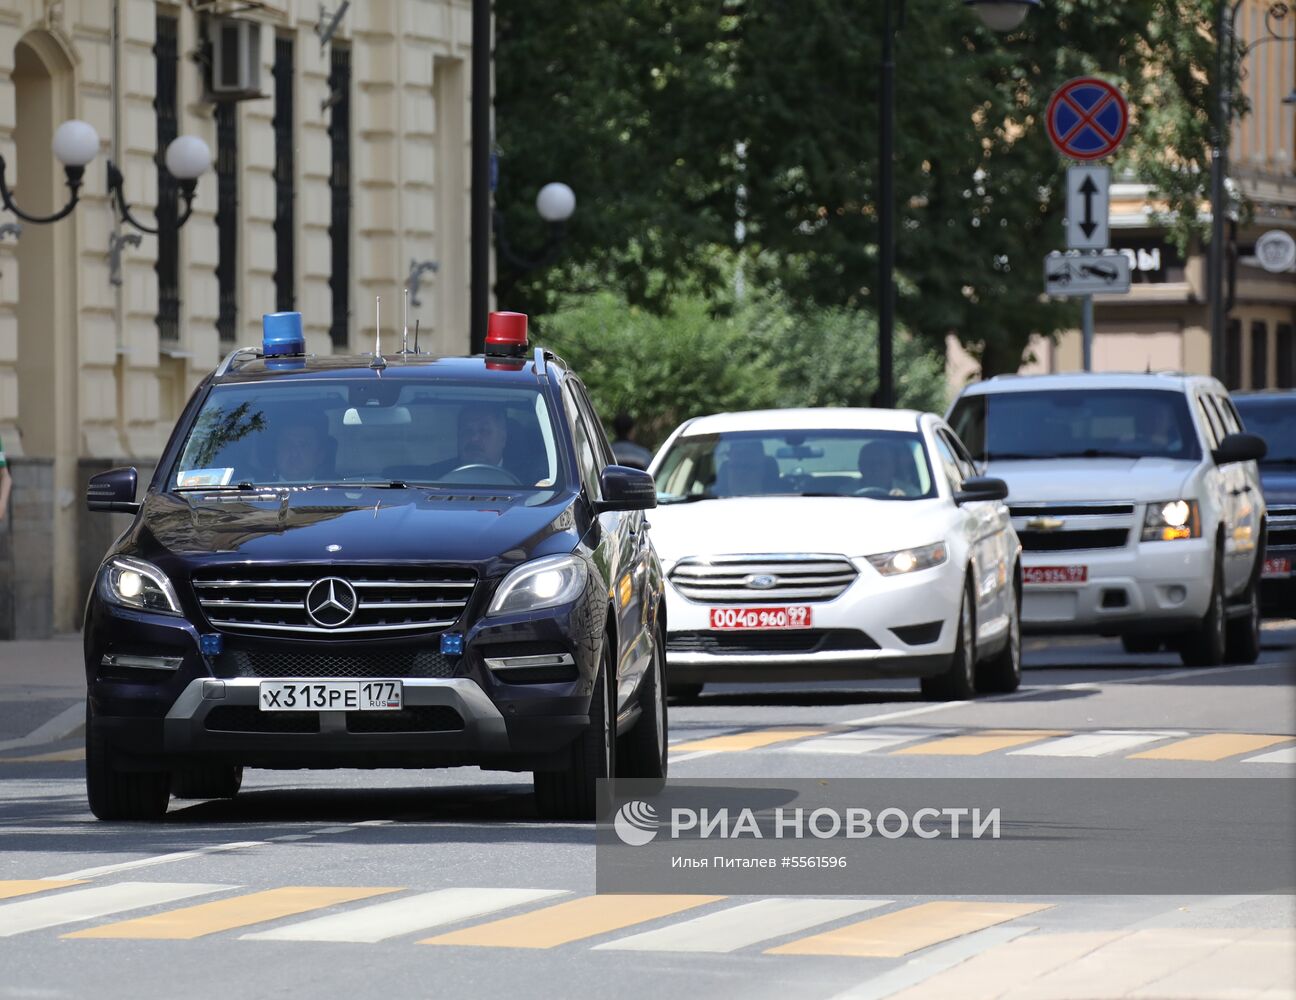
835, 543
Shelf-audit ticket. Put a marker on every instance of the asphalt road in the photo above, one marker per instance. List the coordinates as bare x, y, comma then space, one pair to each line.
414, 884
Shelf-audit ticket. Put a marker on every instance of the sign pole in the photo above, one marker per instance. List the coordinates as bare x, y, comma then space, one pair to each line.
1086, 327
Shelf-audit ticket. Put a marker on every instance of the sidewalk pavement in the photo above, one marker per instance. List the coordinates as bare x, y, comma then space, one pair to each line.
42, 691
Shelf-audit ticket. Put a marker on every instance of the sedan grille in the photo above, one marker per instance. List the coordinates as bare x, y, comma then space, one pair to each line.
763, 579
344, 600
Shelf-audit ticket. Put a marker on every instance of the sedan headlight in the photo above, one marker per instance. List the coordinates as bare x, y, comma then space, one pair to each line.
909, 560
134, 583
1171, 520
541, 583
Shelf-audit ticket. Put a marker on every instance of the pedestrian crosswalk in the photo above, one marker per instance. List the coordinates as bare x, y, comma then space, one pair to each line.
493, 917
919, 741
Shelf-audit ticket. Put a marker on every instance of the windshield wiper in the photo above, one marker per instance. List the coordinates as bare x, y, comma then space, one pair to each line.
691, 498
1087, 453
377, 484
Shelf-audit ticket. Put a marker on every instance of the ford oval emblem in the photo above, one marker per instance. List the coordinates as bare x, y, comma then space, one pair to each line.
762, 581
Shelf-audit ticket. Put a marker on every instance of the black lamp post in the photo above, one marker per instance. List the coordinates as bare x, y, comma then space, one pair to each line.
998, 15
75, 144
1230, 53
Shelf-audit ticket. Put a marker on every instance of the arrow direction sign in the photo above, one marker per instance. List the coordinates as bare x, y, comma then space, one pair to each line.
1086, 274
1087, 208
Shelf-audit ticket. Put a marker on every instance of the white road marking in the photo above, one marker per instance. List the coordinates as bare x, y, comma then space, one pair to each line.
97, 901
381, 921
159, 859
742, 926
864, 740
58, 728
1097, 744
930, 963
1287, 755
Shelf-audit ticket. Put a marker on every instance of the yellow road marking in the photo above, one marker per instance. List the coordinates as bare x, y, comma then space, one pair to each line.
192, 922
895, 934
26, 886
975, 744
1214, 746
571, 921
747, 741
77, 753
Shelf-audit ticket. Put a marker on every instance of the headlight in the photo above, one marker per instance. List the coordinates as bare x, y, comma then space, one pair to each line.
909, 560
542, 583
1171, 520
134, 583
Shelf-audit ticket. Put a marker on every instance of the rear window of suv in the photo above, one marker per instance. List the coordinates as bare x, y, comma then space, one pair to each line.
1075, 423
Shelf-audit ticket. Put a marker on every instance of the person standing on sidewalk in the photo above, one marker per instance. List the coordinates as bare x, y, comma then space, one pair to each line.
4, 485
625, 449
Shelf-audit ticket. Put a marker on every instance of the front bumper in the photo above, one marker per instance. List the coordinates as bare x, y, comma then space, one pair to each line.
1144, 587
192, 707
856, 630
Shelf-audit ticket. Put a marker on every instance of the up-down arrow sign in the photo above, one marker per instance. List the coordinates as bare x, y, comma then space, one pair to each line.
1087, 207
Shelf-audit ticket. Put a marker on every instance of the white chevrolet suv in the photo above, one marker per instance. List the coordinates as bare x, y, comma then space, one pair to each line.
1138, 504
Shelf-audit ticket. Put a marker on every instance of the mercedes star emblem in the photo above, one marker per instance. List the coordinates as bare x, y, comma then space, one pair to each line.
331, 602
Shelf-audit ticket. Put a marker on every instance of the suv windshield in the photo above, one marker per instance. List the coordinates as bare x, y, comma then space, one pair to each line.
388, 433
1076, 423
1274, 419
879, 464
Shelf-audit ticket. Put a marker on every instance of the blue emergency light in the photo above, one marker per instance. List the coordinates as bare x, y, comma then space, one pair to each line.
452, 644
281, 334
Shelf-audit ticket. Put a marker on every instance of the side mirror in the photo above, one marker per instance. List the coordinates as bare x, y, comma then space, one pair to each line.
114, 491
981, 488
626, 489
1240, 448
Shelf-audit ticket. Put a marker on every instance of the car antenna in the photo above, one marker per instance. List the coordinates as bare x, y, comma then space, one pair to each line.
378, 361
405, 327
416, 326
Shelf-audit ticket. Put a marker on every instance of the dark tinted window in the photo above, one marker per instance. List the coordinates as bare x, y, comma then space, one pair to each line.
1285, 355
1274, 419
1233, 354
1075, 423
1259, 354
338, 432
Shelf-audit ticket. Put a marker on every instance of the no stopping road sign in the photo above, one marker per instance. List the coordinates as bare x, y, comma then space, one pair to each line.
1087, 118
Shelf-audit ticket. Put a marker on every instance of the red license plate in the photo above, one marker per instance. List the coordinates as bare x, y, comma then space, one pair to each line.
760, 619
1055, 574
1279, 566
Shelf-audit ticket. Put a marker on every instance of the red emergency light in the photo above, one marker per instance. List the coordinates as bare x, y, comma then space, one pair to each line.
506, 334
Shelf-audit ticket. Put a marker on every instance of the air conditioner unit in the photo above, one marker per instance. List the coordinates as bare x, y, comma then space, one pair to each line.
236, 58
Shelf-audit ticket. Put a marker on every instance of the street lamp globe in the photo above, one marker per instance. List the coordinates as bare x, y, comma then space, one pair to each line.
76, 143
188, 158
556, 202
1002, 15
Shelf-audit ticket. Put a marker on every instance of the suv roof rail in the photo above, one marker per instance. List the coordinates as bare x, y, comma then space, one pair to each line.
542, 358
233, 356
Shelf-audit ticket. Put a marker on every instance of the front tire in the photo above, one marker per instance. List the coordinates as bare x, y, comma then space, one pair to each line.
958, 683
641, 753
1002, 673
1206, 646
1242, 635
572, 792
114, 794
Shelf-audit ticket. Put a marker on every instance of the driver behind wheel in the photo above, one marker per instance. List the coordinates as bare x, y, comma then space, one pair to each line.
483, 433
887, 467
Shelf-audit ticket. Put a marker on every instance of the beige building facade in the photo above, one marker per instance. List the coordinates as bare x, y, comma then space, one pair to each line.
340, 170
1164, 321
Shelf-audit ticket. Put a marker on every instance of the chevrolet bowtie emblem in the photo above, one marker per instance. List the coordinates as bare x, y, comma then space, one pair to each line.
1045, 523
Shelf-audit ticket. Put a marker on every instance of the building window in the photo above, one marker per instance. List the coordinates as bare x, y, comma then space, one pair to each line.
227, 217
340, 193
1259, 354
1233, 354
285, 260
1286, 357
166, 59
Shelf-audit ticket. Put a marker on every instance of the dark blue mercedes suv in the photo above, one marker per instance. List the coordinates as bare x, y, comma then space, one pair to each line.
367, 561
1272, 415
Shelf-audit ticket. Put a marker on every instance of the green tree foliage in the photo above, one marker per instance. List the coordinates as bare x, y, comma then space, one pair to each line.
674, 120
701, 357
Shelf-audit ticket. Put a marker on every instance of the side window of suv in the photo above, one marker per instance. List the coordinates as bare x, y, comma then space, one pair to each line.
949, 463
1210, 423
598, 436
966, 466
586, 458
1232, 422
